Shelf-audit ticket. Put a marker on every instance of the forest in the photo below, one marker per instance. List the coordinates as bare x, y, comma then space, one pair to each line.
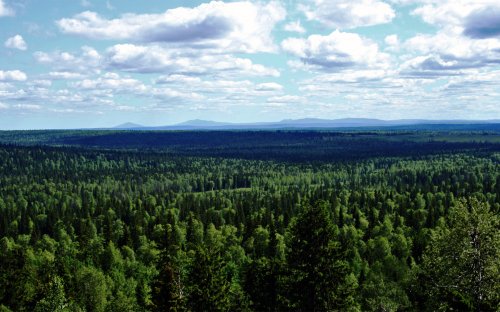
399, 220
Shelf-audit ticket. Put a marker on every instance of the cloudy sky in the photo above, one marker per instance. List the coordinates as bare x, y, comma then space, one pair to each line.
96, 63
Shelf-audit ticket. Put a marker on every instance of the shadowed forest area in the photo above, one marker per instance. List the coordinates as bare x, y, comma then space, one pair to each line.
400, 220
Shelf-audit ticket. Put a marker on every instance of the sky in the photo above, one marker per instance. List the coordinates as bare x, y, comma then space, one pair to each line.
98, 63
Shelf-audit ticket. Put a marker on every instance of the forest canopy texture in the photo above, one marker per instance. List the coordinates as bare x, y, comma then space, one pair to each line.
250, 221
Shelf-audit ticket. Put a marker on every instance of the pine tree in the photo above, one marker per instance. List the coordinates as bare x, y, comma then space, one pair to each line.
209, 287
167, 287
319, 279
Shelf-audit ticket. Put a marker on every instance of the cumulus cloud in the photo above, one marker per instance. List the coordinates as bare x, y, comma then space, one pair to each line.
181, 89
235, 26
12, 75
483, 23
20, 108
295, 27
113, 82
87, 60
41, 83
16, 42
352, 76
156, 59
479, 83
432, 66
64, 75
454, 47
26, 107
176, 78
285, 99
212, 86
5, 10
336, 51
468, 37
217, 93
168, 94
349, 13
477, 18
268, 86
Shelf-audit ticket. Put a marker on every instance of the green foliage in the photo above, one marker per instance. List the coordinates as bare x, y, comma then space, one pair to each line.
209, 286
92, 289
317, 221
55, 298
318, 273
461, 265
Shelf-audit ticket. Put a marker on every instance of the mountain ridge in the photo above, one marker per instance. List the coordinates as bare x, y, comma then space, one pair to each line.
303, 123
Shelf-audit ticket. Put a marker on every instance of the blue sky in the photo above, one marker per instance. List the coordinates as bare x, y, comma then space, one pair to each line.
89, 63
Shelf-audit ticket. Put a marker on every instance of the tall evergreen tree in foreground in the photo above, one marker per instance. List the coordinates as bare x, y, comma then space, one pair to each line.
167, 290
209, 289
460, 267
319, 279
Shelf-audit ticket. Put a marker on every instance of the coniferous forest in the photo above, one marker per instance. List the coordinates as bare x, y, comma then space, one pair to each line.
250, 221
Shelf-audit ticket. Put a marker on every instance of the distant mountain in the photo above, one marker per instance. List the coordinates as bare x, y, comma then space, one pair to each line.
202, 123
315, 123
129, 125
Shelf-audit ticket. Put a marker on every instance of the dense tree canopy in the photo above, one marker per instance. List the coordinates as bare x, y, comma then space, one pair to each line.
86, 229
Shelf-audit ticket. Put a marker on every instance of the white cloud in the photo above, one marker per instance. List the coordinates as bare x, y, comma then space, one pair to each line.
67, 111
468, 37
473, 18
212, 86
450, 13
168, 93
150, 59
26, 107
479, 83
353, 76
5, 10
336, 51
219, 93
41, 83
111, 81
268, 86
349, 13
110, 84
20, 108
295, 27
176, 78
12, 75
285, 99
87, 60
16, 42
63, 75
432, 66
215, 25
455, 47
413, 2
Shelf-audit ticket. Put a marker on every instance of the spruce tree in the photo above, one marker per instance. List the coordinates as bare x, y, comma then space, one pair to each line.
167, 288
318, 274
209, 286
